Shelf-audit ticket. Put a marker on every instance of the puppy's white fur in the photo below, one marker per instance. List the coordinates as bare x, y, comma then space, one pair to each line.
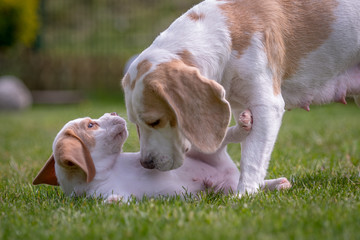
119, 175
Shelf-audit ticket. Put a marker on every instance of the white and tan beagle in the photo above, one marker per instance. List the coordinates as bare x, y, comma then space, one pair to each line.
225, 56
87, 160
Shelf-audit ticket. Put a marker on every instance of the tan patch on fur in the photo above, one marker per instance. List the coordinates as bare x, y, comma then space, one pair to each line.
176, 93
308, 33
196, 16
155, 106
187, 58
84, 133
72, 152
126, 81
72, 148
291, 29
142, 68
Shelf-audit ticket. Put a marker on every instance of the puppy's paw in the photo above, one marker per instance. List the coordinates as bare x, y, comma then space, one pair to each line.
245, 120
283, 184
114, 198
276, 184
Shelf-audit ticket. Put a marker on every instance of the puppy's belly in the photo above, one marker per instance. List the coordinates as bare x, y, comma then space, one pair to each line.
320, 91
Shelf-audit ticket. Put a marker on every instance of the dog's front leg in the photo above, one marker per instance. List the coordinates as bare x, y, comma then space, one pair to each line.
257, 147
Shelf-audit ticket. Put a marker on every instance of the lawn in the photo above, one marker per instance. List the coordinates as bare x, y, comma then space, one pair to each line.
318, 151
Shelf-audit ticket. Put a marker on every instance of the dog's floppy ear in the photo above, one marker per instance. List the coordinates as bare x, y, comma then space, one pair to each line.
47, 173
201, 109
71, 151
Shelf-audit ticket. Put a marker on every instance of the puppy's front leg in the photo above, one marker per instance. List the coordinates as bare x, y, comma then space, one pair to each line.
257, 147
240, 131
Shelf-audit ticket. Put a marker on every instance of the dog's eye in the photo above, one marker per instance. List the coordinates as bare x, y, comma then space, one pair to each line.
90, 125
154, 124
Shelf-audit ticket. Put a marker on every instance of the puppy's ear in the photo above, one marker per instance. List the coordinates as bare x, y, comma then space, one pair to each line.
47, 173
70, 151
199, 104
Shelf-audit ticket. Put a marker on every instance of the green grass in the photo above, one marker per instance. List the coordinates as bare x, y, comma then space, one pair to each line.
318, 151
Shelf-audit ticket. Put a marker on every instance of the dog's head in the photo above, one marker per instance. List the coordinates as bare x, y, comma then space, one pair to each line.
81, 148
174, 107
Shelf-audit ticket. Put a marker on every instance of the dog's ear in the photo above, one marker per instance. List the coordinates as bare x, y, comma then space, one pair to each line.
47, 173
70, 151
199, 104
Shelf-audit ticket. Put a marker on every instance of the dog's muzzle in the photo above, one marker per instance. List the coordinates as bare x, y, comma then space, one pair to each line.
148, 163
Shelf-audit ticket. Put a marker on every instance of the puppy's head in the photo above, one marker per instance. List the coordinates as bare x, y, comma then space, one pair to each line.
80, 148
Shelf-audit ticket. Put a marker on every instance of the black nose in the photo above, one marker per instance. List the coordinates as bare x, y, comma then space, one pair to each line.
114, 114
148, 163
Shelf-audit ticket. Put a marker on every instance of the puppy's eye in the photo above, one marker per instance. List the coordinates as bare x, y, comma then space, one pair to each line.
154, 124
90, 125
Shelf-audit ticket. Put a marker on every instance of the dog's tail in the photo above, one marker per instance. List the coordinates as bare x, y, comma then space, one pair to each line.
357, 100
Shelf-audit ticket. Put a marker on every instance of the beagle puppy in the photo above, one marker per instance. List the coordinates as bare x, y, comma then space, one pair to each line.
224, 56
88, 160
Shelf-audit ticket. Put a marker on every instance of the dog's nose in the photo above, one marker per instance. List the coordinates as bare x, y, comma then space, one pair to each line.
148, 163
114, 114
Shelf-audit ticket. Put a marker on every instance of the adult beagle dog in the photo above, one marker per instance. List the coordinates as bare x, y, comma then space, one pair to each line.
224, 56
87, 160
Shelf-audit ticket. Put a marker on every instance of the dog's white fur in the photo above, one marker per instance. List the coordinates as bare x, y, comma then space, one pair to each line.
119, 175
271, 72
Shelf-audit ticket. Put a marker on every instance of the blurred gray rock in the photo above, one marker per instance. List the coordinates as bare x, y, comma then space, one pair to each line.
14, 95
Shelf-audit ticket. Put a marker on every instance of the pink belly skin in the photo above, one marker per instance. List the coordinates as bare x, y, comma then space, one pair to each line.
333, 90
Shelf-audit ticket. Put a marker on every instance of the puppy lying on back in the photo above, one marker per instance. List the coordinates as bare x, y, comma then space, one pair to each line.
88, 160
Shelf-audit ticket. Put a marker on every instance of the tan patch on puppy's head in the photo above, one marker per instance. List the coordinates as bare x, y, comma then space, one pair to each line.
291, 30
177, 94
84, 132
72, 150
73, 146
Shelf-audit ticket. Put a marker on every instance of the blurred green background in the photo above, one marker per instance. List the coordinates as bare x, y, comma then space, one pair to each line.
78, 45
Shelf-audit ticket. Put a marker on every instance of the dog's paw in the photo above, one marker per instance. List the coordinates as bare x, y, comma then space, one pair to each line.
246, 190
245, 120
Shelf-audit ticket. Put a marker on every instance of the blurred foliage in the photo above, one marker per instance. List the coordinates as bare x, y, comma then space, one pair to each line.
84, 44
19, 22
107, 27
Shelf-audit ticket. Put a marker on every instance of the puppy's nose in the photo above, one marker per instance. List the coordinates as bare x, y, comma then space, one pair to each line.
114, 114
148, 163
